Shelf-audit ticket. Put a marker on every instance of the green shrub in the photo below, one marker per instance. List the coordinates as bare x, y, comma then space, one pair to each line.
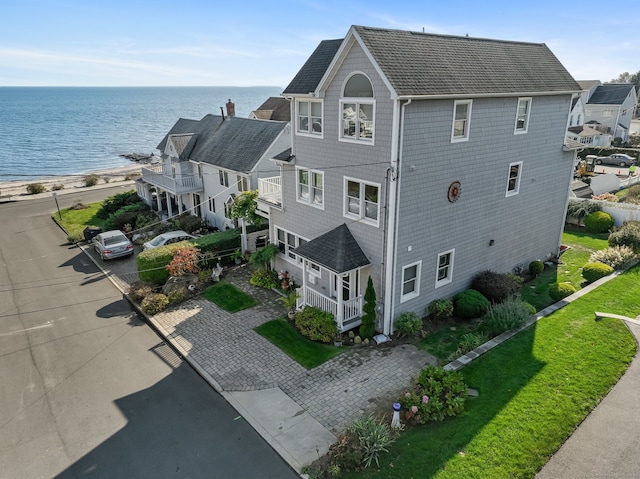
115, 202
57, 187
614, 256
627, 235
126, 215
580, 209
440, 308
139, 290
154, 303
368, 326
496, 287
408, 324
90, 180
469, 304
536, 267
510, 314
596, 270
35, 188
221, 243
598, 222
177, 295
558, 291
264, 278
189, 223
152, 263
316, 324
437, 393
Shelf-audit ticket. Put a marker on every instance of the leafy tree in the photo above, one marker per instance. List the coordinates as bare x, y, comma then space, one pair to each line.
368, 326
627, 77
244, 207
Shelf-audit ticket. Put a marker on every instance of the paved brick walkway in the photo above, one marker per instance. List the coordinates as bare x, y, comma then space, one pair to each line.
239, 359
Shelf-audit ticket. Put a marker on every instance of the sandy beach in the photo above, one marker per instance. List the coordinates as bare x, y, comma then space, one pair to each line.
70, 182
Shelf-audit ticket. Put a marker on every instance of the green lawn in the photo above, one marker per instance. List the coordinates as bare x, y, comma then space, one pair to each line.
534, 390
75, 221
305, 352
229, 297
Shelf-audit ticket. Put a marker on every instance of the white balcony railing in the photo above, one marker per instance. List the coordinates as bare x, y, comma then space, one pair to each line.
270, 190
343, 311
181, 184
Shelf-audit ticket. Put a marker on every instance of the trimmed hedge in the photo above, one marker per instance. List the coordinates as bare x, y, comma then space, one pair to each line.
599, 222
470, 304
558, 291
596, 270
152, 264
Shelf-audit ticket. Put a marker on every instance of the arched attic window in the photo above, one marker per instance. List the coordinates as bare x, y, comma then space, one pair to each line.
358, 109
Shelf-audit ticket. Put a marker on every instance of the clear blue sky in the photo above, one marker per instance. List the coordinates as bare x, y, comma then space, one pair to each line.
249, 43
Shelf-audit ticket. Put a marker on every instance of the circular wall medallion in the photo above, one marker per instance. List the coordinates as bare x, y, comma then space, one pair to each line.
454, 191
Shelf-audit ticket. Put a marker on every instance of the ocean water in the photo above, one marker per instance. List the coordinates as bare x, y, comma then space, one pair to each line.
50, 131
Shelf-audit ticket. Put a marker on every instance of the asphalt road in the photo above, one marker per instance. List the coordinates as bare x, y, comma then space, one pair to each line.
86, 388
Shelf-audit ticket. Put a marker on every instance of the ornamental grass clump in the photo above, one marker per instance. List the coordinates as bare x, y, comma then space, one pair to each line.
510, 314
596, 270
627, 235
614, 256
437, 394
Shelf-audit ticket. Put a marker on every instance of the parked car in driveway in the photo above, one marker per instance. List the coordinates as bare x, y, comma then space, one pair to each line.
167, 238
112, 244
617, 159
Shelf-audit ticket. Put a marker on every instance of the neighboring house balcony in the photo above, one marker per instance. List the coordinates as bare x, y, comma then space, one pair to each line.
179, 185
270, 190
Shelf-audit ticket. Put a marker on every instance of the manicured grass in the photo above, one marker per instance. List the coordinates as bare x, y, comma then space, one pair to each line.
305, 352
534, 390
75, 221
229, 297
442, 344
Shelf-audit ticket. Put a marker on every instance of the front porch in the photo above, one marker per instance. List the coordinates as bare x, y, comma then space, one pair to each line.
174, 184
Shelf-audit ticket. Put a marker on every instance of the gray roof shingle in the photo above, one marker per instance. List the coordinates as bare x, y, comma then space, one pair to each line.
336, 250
307, 79
231, 143
610, 94
274, 108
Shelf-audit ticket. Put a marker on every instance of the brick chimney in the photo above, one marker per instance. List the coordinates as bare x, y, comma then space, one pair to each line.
231, 108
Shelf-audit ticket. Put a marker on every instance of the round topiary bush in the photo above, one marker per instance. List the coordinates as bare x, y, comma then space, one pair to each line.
536, 267
598, 222
470, 304
595, 270
496, 287
558, 291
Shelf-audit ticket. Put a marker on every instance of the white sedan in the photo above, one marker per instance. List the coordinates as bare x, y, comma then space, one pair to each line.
112, 244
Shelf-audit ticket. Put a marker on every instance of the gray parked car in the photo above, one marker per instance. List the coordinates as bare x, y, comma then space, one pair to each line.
617, 159
112, 244
167, 238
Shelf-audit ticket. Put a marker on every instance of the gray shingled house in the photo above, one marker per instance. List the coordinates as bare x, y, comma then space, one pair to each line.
207, 162
418, 160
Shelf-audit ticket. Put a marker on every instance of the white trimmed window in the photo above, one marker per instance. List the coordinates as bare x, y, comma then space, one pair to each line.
361, 200
358, 109
461, 119
310, 187
224, 178
309, 117
513, 181
242, 183
288, 241
444, 270
410, 281
211, 204
522, 116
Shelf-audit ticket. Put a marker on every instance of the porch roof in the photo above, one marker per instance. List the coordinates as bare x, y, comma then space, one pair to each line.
336, 250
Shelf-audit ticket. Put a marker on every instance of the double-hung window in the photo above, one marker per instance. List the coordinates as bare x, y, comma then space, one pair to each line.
522, 116
310, 187
361, 200
224, 178
513, 181
461, 120
309, 117
211, 204
358, 109
444, 270
410, 281
242, 183
287, 242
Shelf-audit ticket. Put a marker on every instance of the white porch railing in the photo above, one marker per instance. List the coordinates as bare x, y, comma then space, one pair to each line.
343, 311
270, 190
153, 174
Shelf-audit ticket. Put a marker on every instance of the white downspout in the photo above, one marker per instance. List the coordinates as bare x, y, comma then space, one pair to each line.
392, 205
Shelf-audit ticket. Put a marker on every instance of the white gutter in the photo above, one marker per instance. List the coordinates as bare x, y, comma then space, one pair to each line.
392, 206
483, 95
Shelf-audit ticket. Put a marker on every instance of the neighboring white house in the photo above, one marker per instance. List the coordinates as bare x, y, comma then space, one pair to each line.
205, 163
609, 108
